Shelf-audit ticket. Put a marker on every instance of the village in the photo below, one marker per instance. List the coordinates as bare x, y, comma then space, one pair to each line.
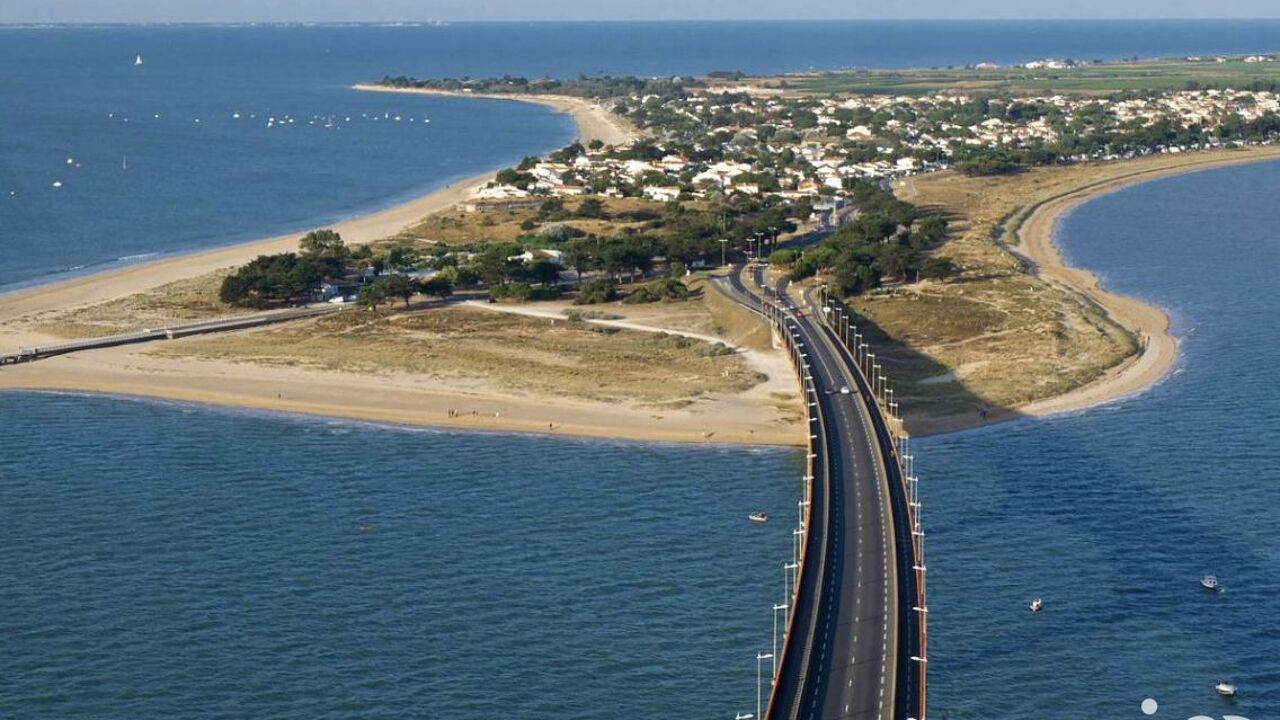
720, 141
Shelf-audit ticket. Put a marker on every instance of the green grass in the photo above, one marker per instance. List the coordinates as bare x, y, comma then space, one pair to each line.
1093, 79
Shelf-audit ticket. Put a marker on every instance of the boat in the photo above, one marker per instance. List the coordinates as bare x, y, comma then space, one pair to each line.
138, 61
1225, 689
758, 517
1209, 582
57, 183
1036, 605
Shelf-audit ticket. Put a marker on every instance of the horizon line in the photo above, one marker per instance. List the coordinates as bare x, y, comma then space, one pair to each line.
545, 21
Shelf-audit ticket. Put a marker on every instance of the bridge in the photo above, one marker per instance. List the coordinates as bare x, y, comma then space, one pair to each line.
855, 632
242, 322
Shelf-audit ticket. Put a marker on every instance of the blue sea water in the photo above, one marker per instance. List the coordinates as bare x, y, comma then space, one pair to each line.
163, 561
68, 92
166, 561
1112, 515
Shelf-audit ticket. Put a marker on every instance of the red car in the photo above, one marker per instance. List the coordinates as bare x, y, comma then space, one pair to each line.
799, 313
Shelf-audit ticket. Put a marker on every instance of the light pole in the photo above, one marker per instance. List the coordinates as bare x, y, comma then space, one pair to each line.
760, 657
786, 586
784, 607
724, 242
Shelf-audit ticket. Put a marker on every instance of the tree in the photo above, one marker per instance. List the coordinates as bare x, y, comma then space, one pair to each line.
543, 271
323, 245
437, 286
894, 260
270, 279
783, 258
937, 267
371, 296
578, 255
397, 286
591, 208
594, 292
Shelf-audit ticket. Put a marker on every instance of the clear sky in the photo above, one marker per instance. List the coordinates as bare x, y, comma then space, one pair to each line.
70, 11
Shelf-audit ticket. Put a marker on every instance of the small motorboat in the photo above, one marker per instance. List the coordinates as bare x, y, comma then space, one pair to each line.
1036, 605
758, 517
1225, 689
1209, 582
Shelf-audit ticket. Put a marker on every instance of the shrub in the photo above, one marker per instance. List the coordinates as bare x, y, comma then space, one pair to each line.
658, 291
594, 292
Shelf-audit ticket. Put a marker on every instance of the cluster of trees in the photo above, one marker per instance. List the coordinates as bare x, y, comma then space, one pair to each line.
599, 86
289, 277
391, 287
888, 239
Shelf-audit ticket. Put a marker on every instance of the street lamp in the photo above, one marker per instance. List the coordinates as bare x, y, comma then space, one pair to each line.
785, 608
724, 242
786, 586
760, 657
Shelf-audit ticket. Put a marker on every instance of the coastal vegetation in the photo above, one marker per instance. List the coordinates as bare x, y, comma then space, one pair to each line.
600, 86
888, 238
461, 346
1073, 76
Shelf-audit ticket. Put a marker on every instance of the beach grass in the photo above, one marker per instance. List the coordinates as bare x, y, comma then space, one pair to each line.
461, 346
1100, 79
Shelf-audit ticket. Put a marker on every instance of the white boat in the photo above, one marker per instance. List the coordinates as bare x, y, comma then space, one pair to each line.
138, 61
57, 183
1036, 605
1209, 582
758, 517
1225, 689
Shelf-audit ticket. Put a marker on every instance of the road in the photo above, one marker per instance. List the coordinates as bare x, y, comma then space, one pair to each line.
167, 333
845, 656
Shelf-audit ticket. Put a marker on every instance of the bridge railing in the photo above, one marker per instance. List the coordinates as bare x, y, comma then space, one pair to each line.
815, 441
839, 319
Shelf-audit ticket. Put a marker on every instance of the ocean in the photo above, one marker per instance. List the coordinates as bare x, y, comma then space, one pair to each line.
206, 167
341, 569
1112, 515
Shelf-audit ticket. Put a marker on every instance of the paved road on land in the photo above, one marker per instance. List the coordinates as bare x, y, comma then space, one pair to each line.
848, 667
174, 331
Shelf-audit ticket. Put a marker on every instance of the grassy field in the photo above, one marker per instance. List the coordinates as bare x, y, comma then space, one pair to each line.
461, 346
1099, 79
178, 302
502, 220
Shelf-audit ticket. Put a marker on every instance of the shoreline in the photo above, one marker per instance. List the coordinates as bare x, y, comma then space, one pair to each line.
592, 120
1035, 232
413, 402
113, 283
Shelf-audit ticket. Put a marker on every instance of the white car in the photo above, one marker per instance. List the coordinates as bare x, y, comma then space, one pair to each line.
844, 389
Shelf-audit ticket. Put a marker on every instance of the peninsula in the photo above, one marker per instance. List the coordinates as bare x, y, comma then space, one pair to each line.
931, 213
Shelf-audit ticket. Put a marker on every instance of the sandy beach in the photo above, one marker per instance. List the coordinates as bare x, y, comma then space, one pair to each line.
594, 121
755, 417
1158, 354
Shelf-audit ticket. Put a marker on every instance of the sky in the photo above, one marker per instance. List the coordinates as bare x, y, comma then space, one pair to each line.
135, 11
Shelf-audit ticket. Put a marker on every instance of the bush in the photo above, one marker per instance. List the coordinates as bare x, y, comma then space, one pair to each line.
937, 268
594, 292
784, 258
523, 292
658, 291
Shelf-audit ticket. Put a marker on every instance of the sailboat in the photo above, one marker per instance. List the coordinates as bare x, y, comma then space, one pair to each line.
138, 61
124, 163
